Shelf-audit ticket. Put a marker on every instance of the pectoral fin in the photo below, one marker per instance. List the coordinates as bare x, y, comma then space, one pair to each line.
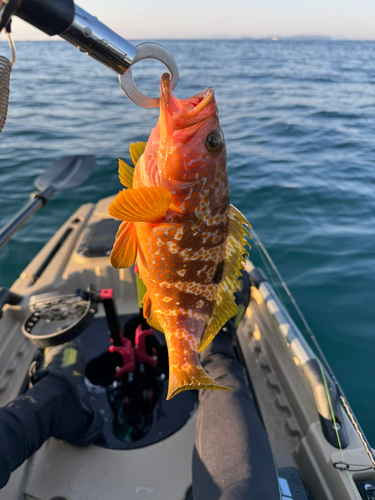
124, 252
141, 205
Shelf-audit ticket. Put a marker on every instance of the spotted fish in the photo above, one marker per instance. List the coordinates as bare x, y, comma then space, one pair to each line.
180, 227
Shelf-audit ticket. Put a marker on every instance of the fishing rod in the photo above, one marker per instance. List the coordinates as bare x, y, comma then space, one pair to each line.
321, 355
67, 20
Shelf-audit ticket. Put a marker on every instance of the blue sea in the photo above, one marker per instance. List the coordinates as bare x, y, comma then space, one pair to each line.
299, 124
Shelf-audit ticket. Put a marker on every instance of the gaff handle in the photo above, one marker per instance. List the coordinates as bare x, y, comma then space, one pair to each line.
81, 29
88, 34
50, 16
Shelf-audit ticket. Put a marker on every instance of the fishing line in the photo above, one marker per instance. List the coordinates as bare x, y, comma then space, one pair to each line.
336, 431
321, 355
269, 273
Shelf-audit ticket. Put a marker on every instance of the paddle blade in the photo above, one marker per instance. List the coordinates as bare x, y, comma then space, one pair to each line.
69, 172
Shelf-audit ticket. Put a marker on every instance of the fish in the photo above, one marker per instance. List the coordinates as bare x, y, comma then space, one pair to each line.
179, 226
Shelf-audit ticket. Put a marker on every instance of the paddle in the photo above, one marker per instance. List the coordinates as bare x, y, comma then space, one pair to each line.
67, 173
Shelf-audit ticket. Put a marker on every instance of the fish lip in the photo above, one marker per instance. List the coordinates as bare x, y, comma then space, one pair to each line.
198, 114
179, 117
165, 89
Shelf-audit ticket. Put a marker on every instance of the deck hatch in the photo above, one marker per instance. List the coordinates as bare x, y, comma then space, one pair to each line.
98, 238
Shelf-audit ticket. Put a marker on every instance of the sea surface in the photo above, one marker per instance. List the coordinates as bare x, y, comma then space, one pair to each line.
299, 123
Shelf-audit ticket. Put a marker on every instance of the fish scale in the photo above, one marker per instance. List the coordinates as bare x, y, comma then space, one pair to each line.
180, 227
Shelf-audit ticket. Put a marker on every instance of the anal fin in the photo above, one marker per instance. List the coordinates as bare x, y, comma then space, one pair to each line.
150, 315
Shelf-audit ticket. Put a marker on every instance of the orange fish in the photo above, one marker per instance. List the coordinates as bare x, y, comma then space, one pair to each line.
180, 227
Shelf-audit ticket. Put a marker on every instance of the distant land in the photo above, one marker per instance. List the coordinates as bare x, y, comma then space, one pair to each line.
307, 37
297, 38
302, 38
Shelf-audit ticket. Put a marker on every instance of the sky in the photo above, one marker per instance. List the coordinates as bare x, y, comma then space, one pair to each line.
150, 19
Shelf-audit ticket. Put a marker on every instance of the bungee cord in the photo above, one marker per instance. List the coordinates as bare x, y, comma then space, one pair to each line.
5, 69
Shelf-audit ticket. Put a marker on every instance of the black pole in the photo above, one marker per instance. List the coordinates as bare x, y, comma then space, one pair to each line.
51, 16
106, 297
32, 206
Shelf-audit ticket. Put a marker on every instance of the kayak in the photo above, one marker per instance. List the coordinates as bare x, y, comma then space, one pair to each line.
145, 450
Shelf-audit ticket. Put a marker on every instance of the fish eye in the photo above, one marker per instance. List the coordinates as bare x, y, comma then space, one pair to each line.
214, 142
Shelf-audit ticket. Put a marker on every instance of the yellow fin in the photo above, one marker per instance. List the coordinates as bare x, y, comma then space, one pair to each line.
141, 205
125, 173
192, 378
124, 252
152, 318
141, 290
224, 304
136, 150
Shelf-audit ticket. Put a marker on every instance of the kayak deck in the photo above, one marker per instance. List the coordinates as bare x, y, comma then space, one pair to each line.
76, 257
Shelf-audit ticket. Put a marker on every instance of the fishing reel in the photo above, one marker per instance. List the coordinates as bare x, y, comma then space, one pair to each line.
59, 318
127, 365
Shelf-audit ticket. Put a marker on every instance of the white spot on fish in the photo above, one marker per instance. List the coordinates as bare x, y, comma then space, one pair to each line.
189, 195
179, 233
172, 247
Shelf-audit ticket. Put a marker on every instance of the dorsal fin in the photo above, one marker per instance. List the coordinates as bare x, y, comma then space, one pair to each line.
225, 306
125, 173
136, 151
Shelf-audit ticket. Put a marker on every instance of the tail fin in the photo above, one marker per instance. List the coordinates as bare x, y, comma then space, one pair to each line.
188, 379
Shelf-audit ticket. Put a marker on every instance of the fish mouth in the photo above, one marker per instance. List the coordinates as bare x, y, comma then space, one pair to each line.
182, 114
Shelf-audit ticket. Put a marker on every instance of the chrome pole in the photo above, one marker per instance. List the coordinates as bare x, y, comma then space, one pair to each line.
95, 39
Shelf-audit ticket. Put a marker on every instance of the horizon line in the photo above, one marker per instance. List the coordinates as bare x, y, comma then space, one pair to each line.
273, 38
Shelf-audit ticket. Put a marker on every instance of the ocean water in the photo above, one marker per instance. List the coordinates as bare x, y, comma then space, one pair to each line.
298, 119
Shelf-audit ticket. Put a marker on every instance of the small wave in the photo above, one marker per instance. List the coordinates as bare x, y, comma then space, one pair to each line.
334, 114
346, 145
283, 129
290, 186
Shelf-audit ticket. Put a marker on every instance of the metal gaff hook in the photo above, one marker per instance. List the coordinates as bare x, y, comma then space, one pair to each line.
144, 51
